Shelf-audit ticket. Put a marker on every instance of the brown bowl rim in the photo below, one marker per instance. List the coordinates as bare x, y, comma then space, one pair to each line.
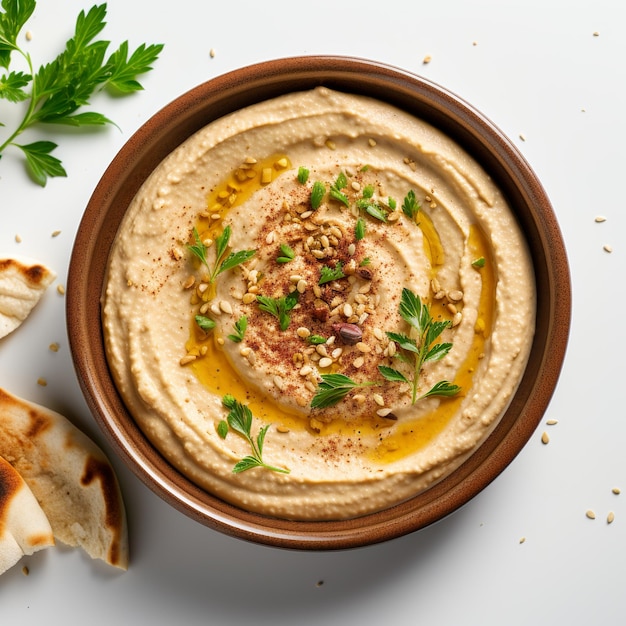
231, 91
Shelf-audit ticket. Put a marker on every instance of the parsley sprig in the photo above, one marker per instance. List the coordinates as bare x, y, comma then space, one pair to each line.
333, 388
286, 254
240, 419
239, 329
60, 88
411, 205
328, 274
279, 307
199, 250
419, 351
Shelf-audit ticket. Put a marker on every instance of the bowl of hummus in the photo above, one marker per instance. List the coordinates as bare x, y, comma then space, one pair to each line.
318, 302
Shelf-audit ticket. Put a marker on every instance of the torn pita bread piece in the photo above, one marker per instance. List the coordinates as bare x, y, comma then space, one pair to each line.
22, 283
24, 527
69, 475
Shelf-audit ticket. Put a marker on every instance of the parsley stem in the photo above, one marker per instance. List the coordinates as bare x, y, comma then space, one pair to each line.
23, 125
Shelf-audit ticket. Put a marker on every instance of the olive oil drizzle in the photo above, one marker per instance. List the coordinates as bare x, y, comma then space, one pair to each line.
397, 441
410, 436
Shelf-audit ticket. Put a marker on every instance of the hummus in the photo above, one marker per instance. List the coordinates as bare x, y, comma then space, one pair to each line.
339, 207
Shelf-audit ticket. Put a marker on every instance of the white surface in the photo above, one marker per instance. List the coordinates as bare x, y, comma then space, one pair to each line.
536, 69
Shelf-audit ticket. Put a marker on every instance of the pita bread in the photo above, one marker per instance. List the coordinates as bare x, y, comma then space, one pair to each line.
22, 283
69, 475
24, 527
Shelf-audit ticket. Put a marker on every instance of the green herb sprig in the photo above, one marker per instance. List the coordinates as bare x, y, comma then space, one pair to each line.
60, 88
279, 307
240, 420
410, 205
318, 192
199, 250
239, 329
333, 388
205, 323
336, 192
328, 274
423, 349
286, 254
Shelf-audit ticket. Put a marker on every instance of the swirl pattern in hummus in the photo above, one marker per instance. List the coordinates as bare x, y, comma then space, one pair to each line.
463, 254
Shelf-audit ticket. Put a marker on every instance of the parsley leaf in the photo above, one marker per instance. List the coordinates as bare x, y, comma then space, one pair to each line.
372, 208
410, 206
11, 86
279, 307
317, 194
41, 163
287, 254
241, 325
315, 340
359, 229
335, 189
205, 323
328, 274
303, 175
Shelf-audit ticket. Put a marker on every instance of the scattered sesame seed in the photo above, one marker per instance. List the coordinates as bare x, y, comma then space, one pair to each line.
552, 422
54, 347
212, 53
29, 35
18, 239
42, 382
610, 517
600, 219
61, 290
522, 137
427, 59
522, 539
607, 248
545, 438
25, 570
596, 33
590, 514
56, 233
616, 491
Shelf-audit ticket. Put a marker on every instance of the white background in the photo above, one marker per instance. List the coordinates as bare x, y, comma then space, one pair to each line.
552, 75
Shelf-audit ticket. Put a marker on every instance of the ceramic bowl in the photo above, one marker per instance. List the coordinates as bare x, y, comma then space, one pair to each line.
176, 122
